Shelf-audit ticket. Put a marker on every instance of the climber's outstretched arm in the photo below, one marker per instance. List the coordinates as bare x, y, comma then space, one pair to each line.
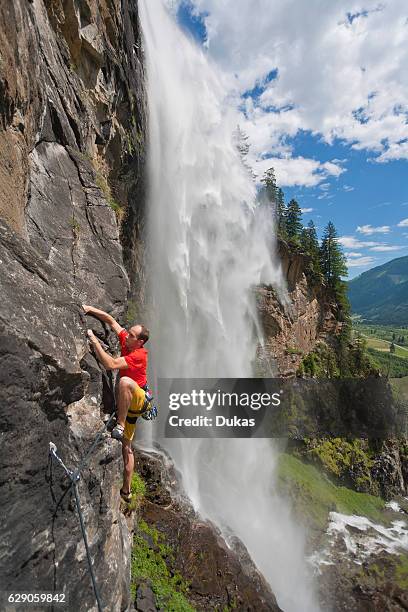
109, 362
103, 316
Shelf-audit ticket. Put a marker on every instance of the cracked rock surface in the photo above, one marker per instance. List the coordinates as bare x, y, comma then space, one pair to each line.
72, 131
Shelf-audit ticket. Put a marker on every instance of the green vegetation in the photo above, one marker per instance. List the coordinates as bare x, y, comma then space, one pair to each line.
314, 495
151, 561
134, 311
138, 490
327, 261
320, 363
103, 185
381, 337
333, 261
379, 340
294, 224
401, 572
310, 245
340, 458
346, 359
389, 365
292, 350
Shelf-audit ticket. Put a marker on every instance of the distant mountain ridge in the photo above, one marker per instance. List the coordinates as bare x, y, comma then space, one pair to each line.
380, 295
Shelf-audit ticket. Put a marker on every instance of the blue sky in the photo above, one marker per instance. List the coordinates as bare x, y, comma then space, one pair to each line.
322, 91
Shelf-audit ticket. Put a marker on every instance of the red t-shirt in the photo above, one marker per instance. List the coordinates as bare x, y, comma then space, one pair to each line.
136, 360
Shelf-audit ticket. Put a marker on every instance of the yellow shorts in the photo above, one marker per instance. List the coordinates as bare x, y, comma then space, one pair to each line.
135, 410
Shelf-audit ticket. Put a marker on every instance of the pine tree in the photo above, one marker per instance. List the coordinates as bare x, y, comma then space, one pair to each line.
332, 259
281, 214
343, 352
310, 244
294, 222
271, 189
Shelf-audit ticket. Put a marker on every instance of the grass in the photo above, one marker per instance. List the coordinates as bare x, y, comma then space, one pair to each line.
290, 350
379, 337
401, 572
102, 183
314, 495
151, 558
138, 490
389, 364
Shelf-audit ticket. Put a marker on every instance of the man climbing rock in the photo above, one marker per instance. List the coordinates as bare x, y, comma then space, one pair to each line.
133, 395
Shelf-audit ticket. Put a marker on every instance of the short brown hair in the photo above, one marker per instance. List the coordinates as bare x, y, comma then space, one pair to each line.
144, 334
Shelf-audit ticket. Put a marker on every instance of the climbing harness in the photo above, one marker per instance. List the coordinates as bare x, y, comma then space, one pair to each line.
151, 413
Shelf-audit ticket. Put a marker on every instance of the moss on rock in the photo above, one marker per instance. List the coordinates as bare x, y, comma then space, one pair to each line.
153, 560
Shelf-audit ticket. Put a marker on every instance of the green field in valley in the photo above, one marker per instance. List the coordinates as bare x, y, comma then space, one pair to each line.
379, 339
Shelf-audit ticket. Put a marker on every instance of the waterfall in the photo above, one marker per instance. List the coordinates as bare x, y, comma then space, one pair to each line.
209, 247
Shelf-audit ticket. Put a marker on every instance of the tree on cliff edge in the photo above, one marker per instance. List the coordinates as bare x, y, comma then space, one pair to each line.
334, 267
332, 259
269, 181
294, 224
310, 245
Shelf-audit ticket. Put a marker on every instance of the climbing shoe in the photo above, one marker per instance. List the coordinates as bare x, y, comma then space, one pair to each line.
127, 497
117, 432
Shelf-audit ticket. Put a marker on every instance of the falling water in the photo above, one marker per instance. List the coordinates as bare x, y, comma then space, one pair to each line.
210, 247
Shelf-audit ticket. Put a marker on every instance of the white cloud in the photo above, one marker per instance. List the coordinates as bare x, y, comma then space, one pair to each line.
338, 77
350, 242
360, 262
386, 247
403, 223
324, 186
396, 150
291, 171
369, 229
348, 188
353, 254
306, 210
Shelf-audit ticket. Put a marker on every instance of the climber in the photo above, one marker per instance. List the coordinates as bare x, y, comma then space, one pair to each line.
133, 394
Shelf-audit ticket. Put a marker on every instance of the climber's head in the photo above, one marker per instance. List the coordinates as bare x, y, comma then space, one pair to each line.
137, 337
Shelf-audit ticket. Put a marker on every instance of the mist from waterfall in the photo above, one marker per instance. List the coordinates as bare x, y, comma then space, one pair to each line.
209, 247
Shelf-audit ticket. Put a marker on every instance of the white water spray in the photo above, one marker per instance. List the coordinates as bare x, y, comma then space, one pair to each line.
210, 247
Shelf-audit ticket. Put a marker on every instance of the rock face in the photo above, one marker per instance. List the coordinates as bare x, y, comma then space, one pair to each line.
220, 577
291, 331
73, 124
71, 79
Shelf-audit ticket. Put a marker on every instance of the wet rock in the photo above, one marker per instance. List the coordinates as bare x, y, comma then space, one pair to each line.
309, 318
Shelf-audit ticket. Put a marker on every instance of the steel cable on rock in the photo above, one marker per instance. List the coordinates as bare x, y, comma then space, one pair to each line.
74, 476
